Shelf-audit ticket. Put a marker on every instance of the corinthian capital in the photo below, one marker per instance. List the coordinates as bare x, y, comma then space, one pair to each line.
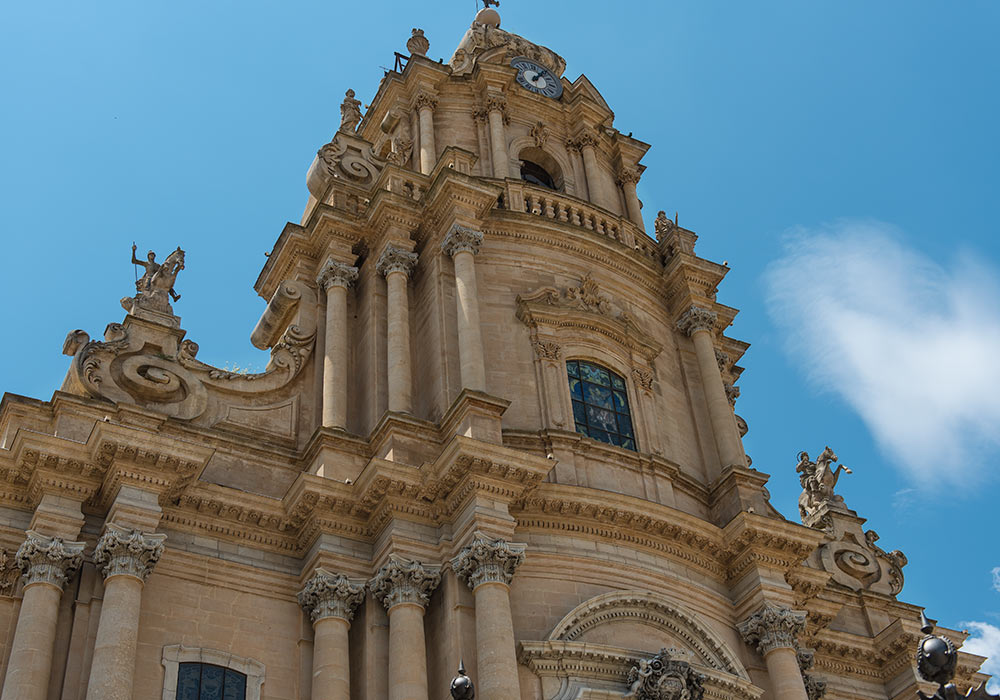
628, 175
335, 274
697, 319
401, 581
425, 99
125, 552
330, 595
773, 628
461, 239
50, 560
396, 260
488, 561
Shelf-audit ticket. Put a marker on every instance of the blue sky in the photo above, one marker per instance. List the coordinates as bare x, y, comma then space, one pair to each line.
842, 156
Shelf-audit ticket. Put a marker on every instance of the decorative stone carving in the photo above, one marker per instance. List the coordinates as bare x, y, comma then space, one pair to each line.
347, 157
425, 100
818, 481
643, 378
586, 139
481, 39
732, 393
9, 573
350, 113
488, 561
697, 319
50, 560
155, 288
461, 239
396, 260
665, 678
628, 176
402, 581
402, 143
418, 45
547, 350
126, 552
815, 686
539, 134
335, 274
854, 559
330, 595
663, 225
480, 115
723, 359
773, 628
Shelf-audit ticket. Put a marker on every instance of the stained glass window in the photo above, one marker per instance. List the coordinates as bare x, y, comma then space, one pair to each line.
197, 681
600, 404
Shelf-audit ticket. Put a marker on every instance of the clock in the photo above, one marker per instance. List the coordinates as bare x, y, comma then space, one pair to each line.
539, 79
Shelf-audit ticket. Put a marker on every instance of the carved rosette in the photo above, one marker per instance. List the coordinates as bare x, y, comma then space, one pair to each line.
335, 274
330, 595
665, 678
125, 552
773, 628
425, 101
396, 260
49, 560
402, 581
462, 240
488, 561
697, 319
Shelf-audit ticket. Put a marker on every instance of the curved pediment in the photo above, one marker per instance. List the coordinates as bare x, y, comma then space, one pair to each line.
625, 614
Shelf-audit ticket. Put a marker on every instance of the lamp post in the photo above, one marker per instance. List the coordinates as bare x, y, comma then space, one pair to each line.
462, 687
937, 661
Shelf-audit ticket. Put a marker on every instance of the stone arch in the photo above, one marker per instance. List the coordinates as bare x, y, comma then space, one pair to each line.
524, 147
655, 611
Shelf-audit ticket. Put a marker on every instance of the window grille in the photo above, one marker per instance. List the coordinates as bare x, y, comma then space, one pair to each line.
600, 404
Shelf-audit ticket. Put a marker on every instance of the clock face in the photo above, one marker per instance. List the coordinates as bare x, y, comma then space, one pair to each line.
536, 78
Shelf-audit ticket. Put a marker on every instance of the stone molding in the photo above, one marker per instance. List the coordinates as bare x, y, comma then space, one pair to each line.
176, 654
488, 561
773, 627
335, 274
127, 552
330, 595
697, 319
49, 560
396, 260
403, 581
461, 239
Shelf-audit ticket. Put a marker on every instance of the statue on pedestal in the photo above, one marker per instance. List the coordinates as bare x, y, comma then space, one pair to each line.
155, 288
818, 481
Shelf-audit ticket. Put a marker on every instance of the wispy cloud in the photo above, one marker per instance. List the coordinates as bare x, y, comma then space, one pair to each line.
908, 343
996, 579
985, 641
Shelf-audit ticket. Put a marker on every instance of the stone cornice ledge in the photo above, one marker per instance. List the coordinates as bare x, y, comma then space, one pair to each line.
752, 540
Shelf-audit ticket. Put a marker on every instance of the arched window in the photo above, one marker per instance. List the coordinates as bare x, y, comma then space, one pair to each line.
199, 681
536, 175
600, 404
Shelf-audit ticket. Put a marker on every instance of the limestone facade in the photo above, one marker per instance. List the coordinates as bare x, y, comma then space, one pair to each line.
412, 481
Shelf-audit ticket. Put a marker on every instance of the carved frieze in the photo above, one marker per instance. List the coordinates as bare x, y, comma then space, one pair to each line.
773, 627
488, 561
402, 581
49, 560
330, 595
128, 552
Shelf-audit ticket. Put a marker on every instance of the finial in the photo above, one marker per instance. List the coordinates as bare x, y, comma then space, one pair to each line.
418, 45
462, 687
488, 16
487, 3
925, 625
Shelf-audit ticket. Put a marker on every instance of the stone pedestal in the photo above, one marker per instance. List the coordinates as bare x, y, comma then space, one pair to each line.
462, 244
396, 265
488, 567
774, 633
336, 278
330, 601
404, 588
47, 563
126, 557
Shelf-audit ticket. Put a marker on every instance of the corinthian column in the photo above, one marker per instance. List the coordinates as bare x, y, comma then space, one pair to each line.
47, 563
126, 558
336, 278
426, 104
700, 325
330, 600
599, 194
396, 265
488, 567
628, 178
462, 244
496, 110
404, 588
774, 633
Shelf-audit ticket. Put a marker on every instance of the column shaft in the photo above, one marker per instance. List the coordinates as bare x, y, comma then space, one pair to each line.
470, 334
113, 666
632, 202
727, 436
335, 361
400, 377
331, 660
407, 653
428, 150
498, 142
495, 648
595, 178
31, 652
785, 674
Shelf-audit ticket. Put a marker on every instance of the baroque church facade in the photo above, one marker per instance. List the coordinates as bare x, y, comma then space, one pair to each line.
497, 429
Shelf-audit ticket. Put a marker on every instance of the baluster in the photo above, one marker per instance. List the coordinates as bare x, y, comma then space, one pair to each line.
533, 204
550, 212
599, 225
588, 221
563, 212
575, 218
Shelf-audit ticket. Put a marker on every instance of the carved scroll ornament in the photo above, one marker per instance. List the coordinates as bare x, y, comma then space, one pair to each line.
348, 158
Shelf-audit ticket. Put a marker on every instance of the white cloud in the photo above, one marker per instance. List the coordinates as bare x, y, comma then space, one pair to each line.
996, 579
909, 344
985, 641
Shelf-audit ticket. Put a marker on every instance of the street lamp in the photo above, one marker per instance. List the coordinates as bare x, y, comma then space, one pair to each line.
937, 661
462, 687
